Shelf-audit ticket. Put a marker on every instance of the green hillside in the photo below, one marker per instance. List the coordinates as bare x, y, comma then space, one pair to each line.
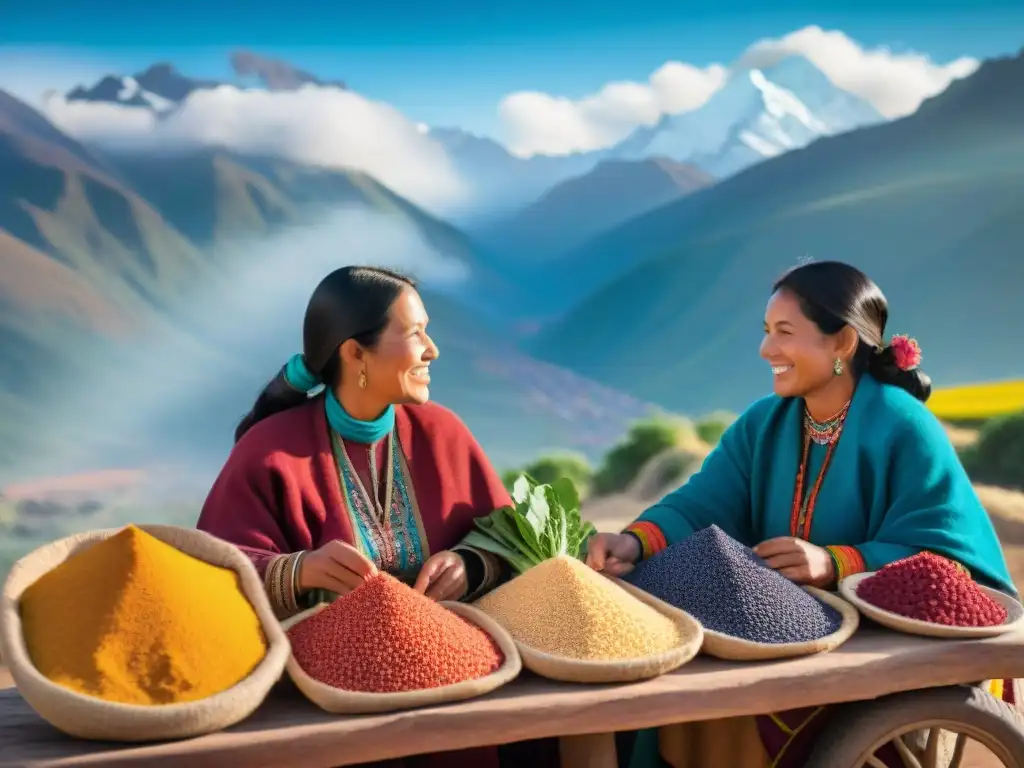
580, 208
931, 206
215, 196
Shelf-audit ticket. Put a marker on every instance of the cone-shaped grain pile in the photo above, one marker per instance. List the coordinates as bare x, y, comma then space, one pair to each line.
564, 608
732, 591
928, 587
134, 620
385, 637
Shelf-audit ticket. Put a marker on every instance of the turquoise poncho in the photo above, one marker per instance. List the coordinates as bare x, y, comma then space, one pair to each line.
895, 485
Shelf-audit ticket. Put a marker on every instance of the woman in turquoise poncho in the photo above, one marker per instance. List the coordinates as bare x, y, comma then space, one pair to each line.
842, 470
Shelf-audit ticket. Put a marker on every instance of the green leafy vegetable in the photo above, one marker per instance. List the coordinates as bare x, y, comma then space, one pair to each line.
544, 523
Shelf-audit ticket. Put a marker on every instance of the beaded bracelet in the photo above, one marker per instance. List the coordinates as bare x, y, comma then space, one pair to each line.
296, 564
280, 581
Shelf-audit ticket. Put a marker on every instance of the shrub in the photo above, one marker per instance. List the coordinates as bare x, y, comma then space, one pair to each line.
547, 469
998, 456
665, 472
711, 428
645, 440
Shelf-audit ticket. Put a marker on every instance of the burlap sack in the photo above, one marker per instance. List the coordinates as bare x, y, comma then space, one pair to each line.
735, 649
339, 702
92, 718
1014, 610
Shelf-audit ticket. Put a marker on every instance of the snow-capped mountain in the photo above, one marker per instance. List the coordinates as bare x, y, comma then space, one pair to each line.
839, 110
162, 88
757, 114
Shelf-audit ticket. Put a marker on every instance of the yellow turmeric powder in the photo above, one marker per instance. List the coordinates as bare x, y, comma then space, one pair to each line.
134, 620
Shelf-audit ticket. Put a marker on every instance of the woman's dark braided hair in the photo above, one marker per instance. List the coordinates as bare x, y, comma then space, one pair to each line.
833, 295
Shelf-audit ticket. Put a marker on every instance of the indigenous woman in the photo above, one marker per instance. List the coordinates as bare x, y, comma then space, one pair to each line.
842, 470
322, 491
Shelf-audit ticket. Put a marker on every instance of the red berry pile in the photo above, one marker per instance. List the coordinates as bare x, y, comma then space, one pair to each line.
385, 637
931, 588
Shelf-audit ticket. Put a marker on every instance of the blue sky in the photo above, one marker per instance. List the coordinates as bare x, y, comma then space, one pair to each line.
451, 62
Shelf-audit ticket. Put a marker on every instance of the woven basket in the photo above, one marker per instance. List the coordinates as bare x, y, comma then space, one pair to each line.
580, 671
339, 702
1014, 619
89, 717
735, 649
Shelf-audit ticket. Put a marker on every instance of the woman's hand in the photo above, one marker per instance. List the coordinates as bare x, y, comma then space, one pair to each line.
443, 577
798, 560
336, 566
613, 553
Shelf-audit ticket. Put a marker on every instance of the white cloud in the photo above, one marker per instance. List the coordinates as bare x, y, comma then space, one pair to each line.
348, 236
110, 124
895, 83
243, 323
537, 122
318, 126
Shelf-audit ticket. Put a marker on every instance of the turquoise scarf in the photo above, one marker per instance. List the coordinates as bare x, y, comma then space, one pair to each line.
354, 429
299, 377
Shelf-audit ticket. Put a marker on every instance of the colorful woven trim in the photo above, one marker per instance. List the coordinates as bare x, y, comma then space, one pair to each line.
847, 560
281, 582
652, 540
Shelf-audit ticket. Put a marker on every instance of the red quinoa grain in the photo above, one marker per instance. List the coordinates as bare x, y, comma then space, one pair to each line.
931, 588
385, 637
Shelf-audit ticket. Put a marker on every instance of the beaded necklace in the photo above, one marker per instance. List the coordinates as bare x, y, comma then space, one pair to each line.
827, 431
823, 433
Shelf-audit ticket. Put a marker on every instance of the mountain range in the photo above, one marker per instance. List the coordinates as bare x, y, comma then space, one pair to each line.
105, 257
137, 291
758, 113
669, 305
579, 208
161, 88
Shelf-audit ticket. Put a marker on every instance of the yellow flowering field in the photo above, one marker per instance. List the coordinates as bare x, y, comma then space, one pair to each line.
978, 401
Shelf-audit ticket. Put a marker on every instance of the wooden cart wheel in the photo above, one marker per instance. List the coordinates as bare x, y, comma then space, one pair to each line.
929, 729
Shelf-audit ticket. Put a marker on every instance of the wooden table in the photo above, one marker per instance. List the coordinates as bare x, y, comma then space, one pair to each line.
289, 731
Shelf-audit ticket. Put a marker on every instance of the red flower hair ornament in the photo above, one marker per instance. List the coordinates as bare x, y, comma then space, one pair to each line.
906, 352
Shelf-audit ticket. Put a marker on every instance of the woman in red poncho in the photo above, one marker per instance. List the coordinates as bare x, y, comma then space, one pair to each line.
322, 491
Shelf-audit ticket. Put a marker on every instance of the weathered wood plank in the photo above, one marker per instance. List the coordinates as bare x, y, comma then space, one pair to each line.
289, 731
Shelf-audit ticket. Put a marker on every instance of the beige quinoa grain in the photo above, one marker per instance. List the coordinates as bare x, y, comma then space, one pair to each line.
565, 608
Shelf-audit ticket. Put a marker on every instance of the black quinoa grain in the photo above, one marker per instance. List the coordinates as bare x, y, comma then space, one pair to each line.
730, 590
